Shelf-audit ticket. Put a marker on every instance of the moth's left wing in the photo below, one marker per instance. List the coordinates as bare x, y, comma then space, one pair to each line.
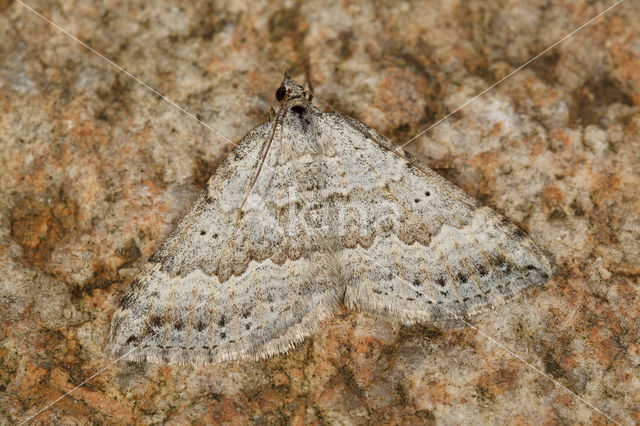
227, 286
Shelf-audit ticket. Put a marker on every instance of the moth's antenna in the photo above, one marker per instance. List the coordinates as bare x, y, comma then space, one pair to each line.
307, 76
276, 121
324, 101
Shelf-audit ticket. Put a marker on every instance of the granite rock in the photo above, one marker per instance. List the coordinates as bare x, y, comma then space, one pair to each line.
96, 169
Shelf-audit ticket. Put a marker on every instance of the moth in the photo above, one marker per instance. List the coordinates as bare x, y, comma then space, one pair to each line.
310, 210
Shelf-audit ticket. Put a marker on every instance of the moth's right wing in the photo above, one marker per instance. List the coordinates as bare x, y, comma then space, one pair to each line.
416, 247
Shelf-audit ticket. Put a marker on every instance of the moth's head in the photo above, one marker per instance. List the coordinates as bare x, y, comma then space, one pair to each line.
289, 90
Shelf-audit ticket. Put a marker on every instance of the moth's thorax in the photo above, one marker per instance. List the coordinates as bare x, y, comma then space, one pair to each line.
296, 132
297, 123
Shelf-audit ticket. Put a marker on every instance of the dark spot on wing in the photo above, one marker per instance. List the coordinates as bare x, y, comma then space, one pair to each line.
203, 232
462, 277
132, 339
482, 271
200, 326
501, 264
222, 321
540, 272
157, 321
126, 301
280, 93
179, 325
441, 282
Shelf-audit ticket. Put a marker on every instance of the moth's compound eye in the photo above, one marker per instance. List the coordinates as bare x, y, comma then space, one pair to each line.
280, 93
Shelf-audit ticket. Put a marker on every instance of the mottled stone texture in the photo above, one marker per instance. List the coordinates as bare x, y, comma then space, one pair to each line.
95, 170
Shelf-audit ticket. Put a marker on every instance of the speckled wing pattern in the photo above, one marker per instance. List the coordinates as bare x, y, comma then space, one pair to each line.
426, 251
311, 210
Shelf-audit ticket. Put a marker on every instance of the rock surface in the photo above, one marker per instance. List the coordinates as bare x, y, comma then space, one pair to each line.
96, 169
